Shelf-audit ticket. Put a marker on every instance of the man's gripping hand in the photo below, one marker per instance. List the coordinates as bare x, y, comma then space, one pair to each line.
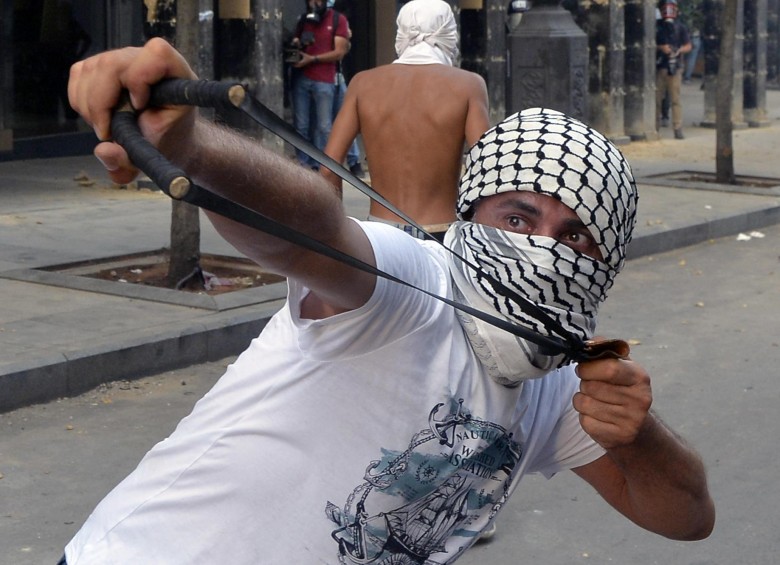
95, 88
648, 473
614, 400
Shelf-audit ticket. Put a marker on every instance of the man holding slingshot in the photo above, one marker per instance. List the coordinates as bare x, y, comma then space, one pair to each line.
370, 422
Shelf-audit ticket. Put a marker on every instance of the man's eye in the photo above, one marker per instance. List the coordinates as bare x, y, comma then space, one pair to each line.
517, 223
579, 239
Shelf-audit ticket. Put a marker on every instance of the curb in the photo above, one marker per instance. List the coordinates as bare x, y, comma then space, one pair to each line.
140, 354
690, 235
229, 333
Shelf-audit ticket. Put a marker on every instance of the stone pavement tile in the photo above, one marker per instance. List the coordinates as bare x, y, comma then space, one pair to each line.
23, 301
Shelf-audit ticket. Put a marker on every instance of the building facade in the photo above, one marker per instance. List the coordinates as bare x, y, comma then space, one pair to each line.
243, 40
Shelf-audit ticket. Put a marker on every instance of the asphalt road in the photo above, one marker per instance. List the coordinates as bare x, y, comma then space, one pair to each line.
703, 320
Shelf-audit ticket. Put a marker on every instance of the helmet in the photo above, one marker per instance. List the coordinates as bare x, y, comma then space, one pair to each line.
314, 14
669, 9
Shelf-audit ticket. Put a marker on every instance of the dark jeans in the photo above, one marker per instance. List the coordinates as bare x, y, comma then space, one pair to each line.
311, 97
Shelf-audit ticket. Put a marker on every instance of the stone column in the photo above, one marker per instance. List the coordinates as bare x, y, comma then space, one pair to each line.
547, 62
773, 42
639, 76
603, 23
711, 45
6, 77
755, 52
495, 58
483, 48
249, 50
268, 61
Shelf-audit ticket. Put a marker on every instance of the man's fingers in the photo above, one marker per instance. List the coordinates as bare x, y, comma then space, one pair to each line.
616, 371
115, 160
608, 434
607, 393
96, 83
94, 89
614, 399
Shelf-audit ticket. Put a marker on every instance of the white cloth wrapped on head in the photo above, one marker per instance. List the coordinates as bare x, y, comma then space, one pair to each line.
427, 33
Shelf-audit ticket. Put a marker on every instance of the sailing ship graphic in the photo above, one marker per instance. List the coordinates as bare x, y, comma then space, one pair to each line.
417, 531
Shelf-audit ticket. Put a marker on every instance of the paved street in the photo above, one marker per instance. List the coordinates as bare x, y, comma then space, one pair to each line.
704, 319
705, 322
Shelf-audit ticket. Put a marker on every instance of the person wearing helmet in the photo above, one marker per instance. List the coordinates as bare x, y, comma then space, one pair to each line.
672, 41
322, 37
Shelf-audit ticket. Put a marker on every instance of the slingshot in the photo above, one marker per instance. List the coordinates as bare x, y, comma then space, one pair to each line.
232, 97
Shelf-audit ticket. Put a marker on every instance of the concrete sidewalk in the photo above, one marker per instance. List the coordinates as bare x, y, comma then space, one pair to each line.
62, 334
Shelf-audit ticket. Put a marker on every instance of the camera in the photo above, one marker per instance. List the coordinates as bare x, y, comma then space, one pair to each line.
292, 53
673, 63
293, 50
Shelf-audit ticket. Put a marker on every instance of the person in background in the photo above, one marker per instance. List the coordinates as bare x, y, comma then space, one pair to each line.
692, 57
322, 35
692, 15
665, 103
672, 43
415, 115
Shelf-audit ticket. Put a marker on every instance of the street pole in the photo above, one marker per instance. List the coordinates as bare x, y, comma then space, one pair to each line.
547, 62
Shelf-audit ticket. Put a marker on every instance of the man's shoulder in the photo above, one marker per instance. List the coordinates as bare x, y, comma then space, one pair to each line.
336, 19
442, 71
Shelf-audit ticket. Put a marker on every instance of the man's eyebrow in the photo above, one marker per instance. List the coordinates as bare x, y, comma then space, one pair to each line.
575, 223
520, 204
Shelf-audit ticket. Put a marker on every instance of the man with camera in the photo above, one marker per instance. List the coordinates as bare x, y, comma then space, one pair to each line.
322, 39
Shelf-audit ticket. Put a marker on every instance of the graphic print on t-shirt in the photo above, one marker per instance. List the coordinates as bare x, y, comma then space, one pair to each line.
413, 502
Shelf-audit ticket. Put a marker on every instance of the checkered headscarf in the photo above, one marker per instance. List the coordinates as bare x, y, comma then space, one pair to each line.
545, 152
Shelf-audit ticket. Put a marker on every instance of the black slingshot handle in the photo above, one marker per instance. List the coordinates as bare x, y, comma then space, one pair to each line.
170, 92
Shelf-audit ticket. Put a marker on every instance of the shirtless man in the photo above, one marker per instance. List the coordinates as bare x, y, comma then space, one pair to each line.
415, 116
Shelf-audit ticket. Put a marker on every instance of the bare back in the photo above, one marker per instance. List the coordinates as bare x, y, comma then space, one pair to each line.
415, 120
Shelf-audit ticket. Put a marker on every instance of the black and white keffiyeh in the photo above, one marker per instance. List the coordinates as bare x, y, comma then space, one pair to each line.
546, 152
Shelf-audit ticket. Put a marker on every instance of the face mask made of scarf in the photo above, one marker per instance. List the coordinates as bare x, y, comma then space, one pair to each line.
566, 284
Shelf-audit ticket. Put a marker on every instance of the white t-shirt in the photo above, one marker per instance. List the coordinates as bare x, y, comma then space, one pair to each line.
362, 436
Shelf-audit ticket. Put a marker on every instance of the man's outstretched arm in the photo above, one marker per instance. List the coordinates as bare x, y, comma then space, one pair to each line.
231, 165
649, 474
